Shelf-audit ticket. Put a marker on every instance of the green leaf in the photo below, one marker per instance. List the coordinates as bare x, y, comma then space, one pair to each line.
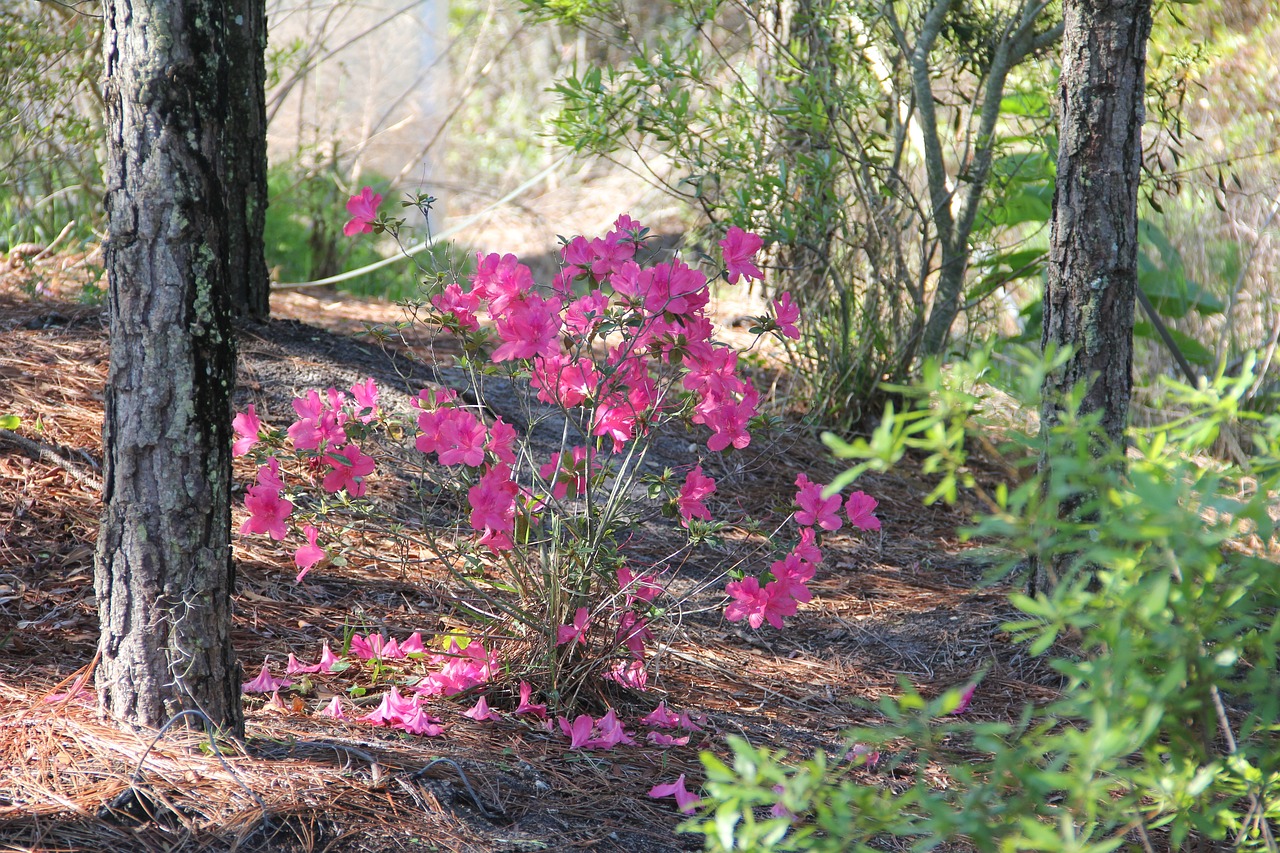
9, 422
1195, 351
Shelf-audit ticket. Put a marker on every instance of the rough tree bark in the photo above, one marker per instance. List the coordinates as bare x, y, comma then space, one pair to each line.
1092, 275
242, 155
164, 574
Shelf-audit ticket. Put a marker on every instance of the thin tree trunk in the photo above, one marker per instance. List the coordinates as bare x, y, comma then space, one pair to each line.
242, 155
1089, 297
164, 574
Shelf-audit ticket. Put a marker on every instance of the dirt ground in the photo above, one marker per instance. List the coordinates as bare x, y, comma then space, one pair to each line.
904, 604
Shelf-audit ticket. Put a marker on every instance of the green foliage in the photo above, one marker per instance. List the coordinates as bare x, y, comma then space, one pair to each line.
50, 111
304, 239
1166, 633
798, 129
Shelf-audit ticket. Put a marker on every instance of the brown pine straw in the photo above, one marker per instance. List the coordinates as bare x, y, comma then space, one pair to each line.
899, 606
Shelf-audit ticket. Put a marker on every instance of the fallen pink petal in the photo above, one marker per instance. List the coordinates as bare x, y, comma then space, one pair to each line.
264, 683
481, 711
686, 801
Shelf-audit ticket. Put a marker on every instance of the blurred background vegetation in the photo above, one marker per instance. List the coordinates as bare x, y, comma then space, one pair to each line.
904, 196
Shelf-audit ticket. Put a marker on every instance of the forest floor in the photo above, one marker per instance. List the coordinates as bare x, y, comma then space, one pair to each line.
906, 604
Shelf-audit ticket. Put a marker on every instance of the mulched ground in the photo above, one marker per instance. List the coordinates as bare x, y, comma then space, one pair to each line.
904, 605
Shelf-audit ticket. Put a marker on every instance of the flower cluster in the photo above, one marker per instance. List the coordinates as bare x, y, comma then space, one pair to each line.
779, 596
619, 348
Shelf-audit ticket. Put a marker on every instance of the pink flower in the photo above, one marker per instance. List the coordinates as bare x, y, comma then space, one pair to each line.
770, 604
779, 808
806, 549
349, 468
814, 508
502, 437
695, 490
296, 667
264, 683
413, 645
462, 305
577, 631
502, 280
334, 709
394, 708
965, 698
860, 753
419, 722
317, 423
461, 439
493, 507
793, 575
247, 427
363, 209
785, 314
664, 740
308, 555
366, 396
584, 315
633, 631
267, 512
629, 673
660, 717
685, 800
578, 732
740, 248
611, 733
481, 711
327, 658
860, 508
644, 588
526, 706
529, 328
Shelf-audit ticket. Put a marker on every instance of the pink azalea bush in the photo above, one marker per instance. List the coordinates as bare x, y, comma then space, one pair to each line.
613, 351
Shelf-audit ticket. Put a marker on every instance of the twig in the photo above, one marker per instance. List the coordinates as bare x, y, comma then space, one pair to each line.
418, 774
44, 453
213, 746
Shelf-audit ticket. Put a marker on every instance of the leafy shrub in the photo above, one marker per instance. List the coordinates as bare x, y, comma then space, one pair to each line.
1165, 631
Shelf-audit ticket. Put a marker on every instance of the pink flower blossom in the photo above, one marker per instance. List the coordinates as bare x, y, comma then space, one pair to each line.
660, 739
806, 549
611, 733
860, 508
461, 439
296, 667
695, 490
577, 630
493, 507
327, 658
770, 604
502, 437
740, 248
318, 423
366, 396
267, 512
501, 280
629, 673
562, 476
334, 709
364, 210
685, 800
308, 555
785, 315
860, 754
965, 698
264, 683
526, 706
460, 669
247, 427
529, 328
660, 717
349, 466
814, 508
585, 314
393, 709
459, 303
643, 588
481, 711
578, 732
419, 722
793, 575
633, 631
413, 644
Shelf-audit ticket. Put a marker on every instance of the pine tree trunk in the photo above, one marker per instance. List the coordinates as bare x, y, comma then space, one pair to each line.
242, 156
1092, 280
164, 574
